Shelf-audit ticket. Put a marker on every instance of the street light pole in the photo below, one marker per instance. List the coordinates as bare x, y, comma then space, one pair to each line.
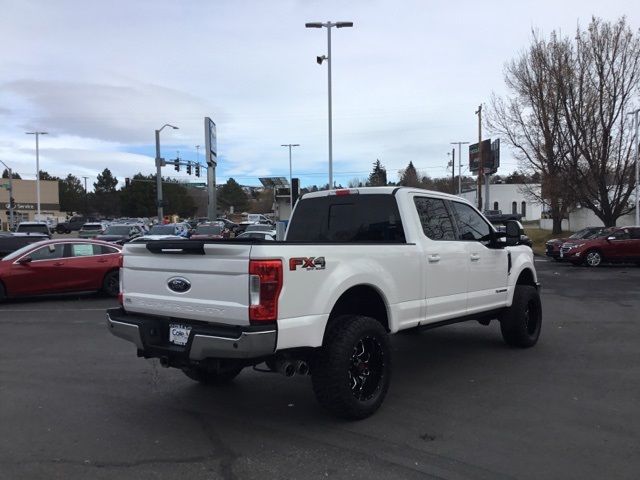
37, 134
159, 173
636, 141
86, 208
10, 194
459, 164
328, 58
290, 173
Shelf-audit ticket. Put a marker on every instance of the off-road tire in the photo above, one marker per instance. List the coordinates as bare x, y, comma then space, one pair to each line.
111, 283
593, 258
352, 370
210, 377
521, 323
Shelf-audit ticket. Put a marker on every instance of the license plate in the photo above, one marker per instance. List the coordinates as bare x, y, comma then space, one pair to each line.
179, 334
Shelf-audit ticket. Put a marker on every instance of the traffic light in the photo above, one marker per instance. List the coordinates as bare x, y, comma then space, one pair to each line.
189, 168
12, 202
126, 182
197, 170
177, 165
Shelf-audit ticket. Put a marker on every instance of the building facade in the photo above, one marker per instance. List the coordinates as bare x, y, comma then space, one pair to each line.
24, 194
511, 198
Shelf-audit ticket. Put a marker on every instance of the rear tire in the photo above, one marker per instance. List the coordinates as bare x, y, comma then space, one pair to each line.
210, 377
3, 293
521, 323
352, 371
111, 283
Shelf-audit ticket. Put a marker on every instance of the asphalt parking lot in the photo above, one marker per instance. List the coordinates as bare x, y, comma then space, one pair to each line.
76, 403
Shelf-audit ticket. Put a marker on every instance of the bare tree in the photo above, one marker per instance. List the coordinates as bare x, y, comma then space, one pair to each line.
531, 121
596, 79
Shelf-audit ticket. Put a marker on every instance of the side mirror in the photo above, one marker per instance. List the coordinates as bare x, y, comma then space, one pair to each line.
25, 260
513, 231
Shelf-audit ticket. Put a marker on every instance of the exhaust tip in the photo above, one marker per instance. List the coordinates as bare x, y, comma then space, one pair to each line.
164, 361
302, 368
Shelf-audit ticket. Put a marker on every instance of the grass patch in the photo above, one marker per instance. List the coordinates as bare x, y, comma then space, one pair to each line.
539, 237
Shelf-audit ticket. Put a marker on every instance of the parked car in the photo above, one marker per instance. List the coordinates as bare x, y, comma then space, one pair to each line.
206, 231
232, 226
10, 242
615, 245
553, 246
357, 265
60, 266
74, 224
161, 232
253, 219
497, 217
257, 235
121, 233
34, 227
261, 228
92, 229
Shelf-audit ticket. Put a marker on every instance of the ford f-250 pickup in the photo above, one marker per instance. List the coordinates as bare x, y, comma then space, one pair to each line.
356, 265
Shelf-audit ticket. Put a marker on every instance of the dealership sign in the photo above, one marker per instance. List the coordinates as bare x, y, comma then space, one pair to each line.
32, 206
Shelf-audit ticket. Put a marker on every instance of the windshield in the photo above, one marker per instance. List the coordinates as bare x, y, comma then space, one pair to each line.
117, 230
162, 230
253, 218
208, 230
92, 226
259, 228
33, 228
23, 250
585, 233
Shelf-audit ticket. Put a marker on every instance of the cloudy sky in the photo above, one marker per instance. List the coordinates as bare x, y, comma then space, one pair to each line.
101, 76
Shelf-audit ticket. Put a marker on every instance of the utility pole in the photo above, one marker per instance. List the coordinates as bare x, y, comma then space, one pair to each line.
159, 165
480, 162
37, 134
10, 194
453, 170
459, 164
636, 141
86, 212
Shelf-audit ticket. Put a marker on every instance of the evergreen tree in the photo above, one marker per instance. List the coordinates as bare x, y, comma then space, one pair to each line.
105, 183
14, 175
409, 176
232, 195
378, 176
72, 194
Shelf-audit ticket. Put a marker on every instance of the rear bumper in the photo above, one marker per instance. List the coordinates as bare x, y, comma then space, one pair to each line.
150, 335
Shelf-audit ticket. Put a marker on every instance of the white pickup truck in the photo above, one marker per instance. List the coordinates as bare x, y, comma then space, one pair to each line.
356, 266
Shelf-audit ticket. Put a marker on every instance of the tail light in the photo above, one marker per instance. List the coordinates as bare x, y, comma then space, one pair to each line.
120, 291
265, 283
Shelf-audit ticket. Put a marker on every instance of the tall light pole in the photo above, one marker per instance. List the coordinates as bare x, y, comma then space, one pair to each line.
290, 173
37, 134
459, 164
86, 209
328, 58
159, 162
636, 141
10, 194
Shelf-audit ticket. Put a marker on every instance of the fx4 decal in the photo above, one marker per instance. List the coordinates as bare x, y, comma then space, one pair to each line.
308, 263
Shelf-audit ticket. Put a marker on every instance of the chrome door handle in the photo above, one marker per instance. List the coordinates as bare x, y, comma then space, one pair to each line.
475, 257
57, 264
434, 258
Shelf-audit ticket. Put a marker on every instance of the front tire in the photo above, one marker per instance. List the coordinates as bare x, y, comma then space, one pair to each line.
521, 323
593, 258
111, 283
352, 371
212, 377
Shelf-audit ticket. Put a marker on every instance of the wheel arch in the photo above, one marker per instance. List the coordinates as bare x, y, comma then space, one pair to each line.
362, 299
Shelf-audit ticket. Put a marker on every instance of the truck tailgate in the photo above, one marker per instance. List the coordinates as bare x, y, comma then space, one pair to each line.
188, 279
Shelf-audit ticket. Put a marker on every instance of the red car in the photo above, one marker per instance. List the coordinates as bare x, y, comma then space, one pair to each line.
616, 245
553, 246
59, 266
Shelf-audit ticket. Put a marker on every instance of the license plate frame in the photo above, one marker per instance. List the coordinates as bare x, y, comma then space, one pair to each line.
179, 334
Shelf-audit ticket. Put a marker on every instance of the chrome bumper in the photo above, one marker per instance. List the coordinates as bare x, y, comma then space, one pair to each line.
246, 344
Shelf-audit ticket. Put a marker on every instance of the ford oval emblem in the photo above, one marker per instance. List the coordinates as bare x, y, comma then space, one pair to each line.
179, 284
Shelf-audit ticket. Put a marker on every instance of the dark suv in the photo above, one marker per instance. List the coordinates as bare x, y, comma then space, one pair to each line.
615, 245
553, 246
75, 223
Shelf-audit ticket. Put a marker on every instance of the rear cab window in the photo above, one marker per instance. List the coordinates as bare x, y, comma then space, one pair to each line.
367, 218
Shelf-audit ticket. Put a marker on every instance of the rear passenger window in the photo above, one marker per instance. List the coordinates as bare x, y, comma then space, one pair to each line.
103, 250
346, 219
81, 249
471, 226
435, 219
635, 233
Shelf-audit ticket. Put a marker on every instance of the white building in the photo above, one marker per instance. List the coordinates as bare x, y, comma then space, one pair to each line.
511, 198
